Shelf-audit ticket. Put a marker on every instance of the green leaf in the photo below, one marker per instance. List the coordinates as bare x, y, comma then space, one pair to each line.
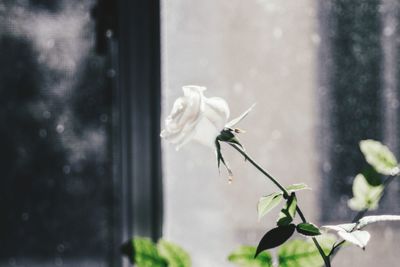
299, 253
308, 229
146, 254
174, 255
380, 157
358, 238
244, 257
366, 196
275, 237
267, 203
288, 212
297, 187
326, 241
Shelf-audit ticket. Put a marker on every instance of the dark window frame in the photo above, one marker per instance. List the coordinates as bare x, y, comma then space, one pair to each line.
134, 53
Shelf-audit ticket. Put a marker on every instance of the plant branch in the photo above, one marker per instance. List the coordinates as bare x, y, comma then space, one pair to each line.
359, 215
320, 250
285, 195
258, 167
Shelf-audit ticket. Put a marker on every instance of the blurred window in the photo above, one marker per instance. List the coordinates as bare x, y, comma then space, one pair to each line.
80, 171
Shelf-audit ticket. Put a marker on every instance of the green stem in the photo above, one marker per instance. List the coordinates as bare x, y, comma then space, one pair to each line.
320, 250
258, 167
286, 195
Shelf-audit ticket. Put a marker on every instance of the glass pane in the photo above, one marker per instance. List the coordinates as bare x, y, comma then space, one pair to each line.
246, 52
56, 185
324, 75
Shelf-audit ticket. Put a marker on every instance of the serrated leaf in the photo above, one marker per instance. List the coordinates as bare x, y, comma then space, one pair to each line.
297, 187
267, 203
288, 212
146, 254
365, 196
358, 238
244, 257
174, 255
308, 229
374, 219
275, 237
379, 156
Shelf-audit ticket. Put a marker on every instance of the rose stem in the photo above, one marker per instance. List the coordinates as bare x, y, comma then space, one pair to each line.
286, 195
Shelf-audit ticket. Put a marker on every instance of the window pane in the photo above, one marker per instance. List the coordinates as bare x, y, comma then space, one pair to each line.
324, 75
56, 185
246, 52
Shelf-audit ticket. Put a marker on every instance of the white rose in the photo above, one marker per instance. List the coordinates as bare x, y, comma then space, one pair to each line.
195, 117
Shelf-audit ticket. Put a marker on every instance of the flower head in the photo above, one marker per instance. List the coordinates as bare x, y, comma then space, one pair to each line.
205, 120
195, 117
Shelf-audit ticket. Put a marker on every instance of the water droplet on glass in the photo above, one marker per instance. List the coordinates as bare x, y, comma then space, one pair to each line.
50, 43
46, 114
388, 30
67, 169
103, 117
338, 149
394, 103
61, 248
315, 39
60, 128
58, 261
12, 262
43, 133
326, 167
25, 216
111, 73
109, 33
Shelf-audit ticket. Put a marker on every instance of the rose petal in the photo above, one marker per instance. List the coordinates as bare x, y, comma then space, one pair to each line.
195, 117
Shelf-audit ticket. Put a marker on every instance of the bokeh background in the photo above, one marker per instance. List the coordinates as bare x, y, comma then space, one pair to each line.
56, 123
84, 89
